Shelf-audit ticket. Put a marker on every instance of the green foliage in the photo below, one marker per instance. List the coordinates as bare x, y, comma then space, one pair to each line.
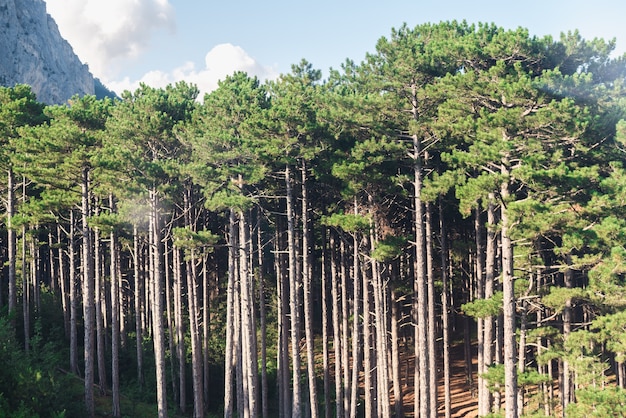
389, 248
483, 308
30, 383
598, 402
348, 222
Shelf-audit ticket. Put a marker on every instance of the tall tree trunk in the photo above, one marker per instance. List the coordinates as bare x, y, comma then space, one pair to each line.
73, 297
192, 306
483, 407
158, 330
63, 282
420, 284
138, 282
174, 321
294, 309
432, 325
115, 321
196, 354
380, 316
325, 338
490, 274
250, 359
445, 312
566, 372
26, 293
337, 328
398, 398
356, 332
306, 281
262, 318
88, 296
11, 245
99, 289
180, 329
508, 289
229, 360
345, 328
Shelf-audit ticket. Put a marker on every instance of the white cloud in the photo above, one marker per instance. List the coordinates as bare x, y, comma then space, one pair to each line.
104, 33
221, 61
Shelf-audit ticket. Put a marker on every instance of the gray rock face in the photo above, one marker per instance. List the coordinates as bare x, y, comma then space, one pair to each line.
33, 52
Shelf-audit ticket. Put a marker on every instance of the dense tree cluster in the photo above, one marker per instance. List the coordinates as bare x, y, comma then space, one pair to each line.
309, 247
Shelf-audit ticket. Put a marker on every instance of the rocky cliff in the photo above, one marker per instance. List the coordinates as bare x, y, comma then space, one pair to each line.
33, 52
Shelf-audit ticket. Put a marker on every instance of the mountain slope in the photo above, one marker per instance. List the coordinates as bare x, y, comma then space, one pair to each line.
33, 52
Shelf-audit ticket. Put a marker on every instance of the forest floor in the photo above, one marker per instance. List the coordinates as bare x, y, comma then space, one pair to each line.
464, 402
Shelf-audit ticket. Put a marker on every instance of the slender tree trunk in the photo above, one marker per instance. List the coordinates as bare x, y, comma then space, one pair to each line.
345, 328
11, 245
356, 332
99, 289
250, 359
158, 330
293, 300
432, 325
177, 341
63, 283
73, 298
380, 309
192, 306
398, 398
115, 322
567, 379
490, 274
88, 297
138, 305
26, 293
196, 355
483, 408
508, 289
445, 312
337, 342
325, 337
306, 281
421, 289
230, 329
262, 319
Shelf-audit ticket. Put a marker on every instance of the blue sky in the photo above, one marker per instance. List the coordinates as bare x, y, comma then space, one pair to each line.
162, 41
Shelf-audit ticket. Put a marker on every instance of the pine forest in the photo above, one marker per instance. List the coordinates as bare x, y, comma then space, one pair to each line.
337, 247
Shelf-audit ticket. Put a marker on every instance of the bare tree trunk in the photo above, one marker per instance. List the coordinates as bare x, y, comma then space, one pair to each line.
293, 300
325, 338
567, 395
26, 293
250, 359
181, 354
337, 343
88, 297
479, 266
138, 305
421, 289
445, 312
356, 313
158, 330
508, 289
432, 325
262, 319
115, 322
63, 283
345, 330
398, 398
490, 274
283, 331
382, 360
73, 298
306, 281
196, 354
230, 295
99, 289
11, 245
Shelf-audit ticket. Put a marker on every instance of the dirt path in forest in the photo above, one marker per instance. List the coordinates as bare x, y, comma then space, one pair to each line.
463, 403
